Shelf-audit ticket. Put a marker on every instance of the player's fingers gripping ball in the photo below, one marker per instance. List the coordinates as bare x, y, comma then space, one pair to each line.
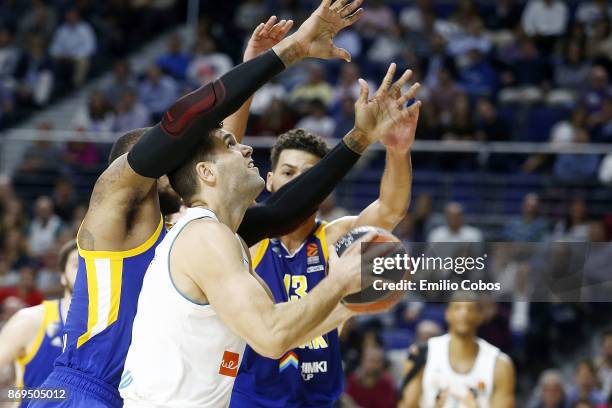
380, 269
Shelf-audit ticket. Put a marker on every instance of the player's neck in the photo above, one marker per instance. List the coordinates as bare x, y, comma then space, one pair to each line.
295, 239
230, 215
463, 346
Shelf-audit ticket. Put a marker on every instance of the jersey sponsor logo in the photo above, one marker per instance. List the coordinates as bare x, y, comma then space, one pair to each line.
312, 260
311, 368
288, 360
315, 268
316, 344
229, 364
312, 249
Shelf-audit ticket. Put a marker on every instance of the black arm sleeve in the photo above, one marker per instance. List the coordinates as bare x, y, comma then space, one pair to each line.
164, 147
297, 200
419, 359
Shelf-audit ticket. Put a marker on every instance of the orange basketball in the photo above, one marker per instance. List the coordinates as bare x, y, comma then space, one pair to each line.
370, 299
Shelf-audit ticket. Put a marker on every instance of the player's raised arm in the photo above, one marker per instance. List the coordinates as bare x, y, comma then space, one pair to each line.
386, 116
240, 300
413, 381
265, 36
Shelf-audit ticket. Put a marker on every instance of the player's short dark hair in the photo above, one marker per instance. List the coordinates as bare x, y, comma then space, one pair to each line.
298, 139
125, 142
183, 179
64, 252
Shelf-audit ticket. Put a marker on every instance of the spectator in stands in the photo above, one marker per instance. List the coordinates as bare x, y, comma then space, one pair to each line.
505, 16
565, 131
600, 43
130, 113
550, 392
81, 156
175, 61
15, 249
158, 92
489, 126
39, 20
597, 90
41, 155
249, 14
25, 289
34, 74
530, 226
387, 47
575, 225
603, 362
526, 74
414, 17
436, 60
427, 329
495, 326
317, 121
73, 46
545, 21
455, 229
444, 95
345, 118
425, 219
207, 64
275, 120
600, 121
571, 73
64, 199
465, 14
377, 19
96, 116
461, 126
586, 387
605, 170
347, 85
591, 11
371, 386
315, 87
577, 168
121, 81
45, 226
474, 39
9, 55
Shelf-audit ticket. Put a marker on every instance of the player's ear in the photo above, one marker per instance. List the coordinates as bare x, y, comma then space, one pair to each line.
269, 181
207, 172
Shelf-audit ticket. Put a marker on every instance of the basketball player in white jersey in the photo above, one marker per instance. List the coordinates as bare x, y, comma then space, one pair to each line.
458, 369
201, 302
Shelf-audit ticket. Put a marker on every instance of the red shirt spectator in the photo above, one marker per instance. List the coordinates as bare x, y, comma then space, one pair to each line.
371, 386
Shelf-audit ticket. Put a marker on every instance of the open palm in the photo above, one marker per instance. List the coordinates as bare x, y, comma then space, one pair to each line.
315, 36
266, 36
384, 117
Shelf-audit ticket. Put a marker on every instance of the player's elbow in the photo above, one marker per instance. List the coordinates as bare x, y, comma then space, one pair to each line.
273, 348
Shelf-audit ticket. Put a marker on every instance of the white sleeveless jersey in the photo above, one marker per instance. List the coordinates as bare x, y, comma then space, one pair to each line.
182, 354
439, 375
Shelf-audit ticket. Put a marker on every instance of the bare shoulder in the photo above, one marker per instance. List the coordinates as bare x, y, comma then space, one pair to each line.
206, 238
504, 367
26, 321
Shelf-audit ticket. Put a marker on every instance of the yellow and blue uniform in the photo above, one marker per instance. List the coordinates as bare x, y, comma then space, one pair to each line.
98, 328
33, 368
307, 376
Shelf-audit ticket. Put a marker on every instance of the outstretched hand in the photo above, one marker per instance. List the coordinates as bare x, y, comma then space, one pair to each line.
266, 36
385, 117
314, 38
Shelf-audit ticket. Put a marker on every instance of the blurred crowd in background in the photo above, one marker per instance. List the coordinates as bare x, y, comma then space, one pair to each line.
490, 71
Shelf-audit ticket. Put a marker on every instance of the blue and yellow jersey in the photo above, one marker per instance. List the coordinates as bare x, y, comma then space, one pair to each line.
307, 376
33, 368
99, 323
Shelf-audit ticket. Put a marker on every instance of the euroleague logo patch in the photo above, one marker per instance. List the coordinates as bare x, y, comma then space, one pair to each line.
312, 249
229, 364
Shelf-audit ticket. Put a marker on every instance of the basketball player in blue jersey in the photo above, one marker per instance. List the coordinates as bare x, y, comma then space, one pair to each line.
123, 225
293, 264
32, 338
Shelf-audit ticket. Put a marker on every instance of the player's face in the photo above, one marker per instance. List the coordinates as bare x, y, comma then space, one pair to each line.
463, 318
70, 271
234, 166
291, 163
